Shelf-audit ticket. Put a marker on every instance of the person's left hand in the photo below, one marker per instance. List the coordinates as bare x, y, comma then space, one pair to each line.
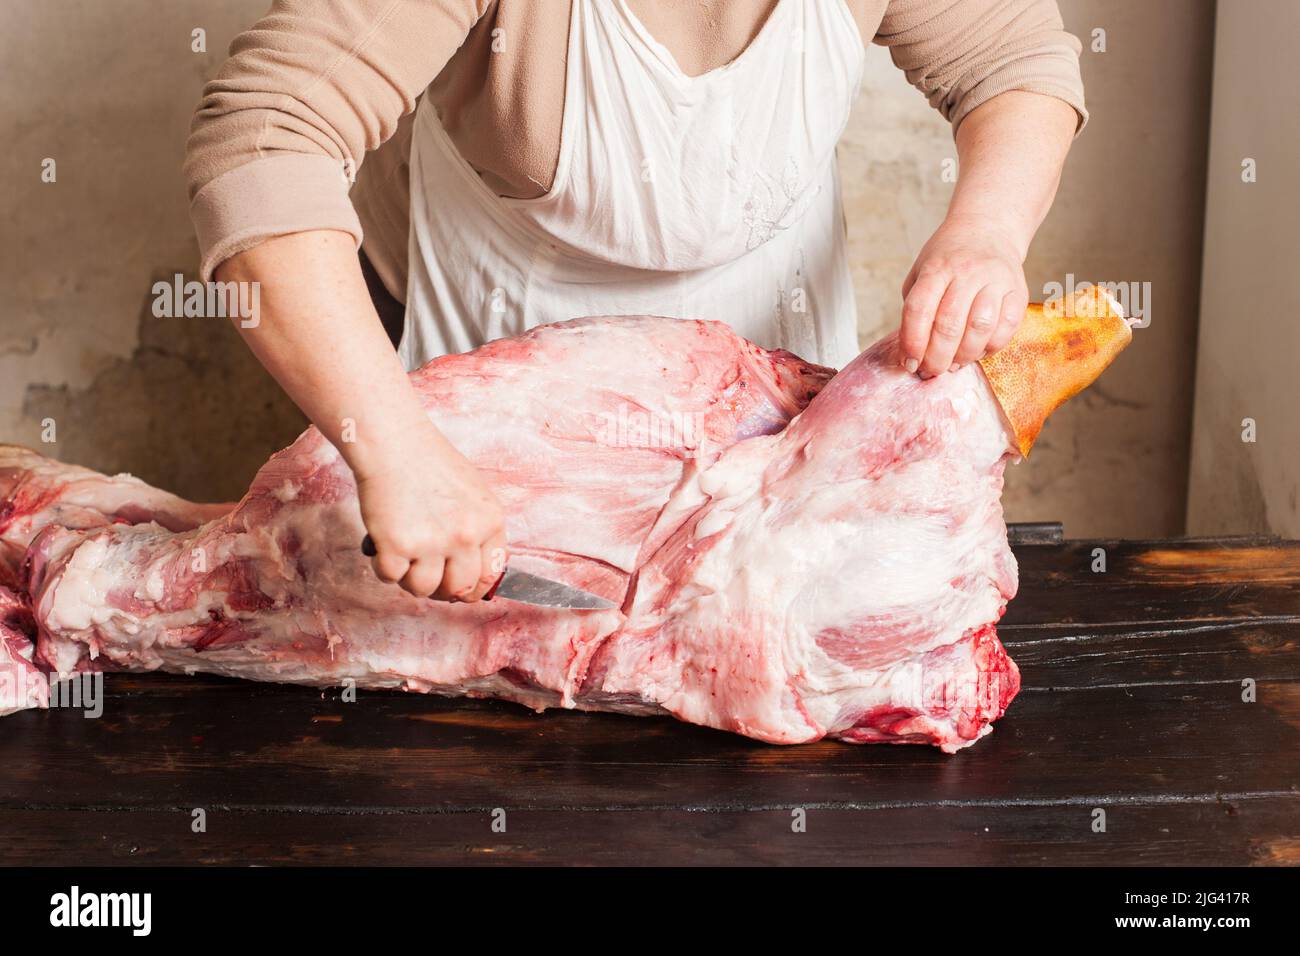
963, 299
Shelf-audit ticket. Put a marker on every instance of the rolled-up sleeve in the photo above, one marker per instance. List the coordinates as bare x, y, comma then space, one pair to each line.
313, 85
962, 53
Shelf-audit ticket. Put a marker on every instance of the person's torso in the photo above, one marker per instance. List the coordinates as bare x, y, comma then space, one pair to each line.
710, 196
501, 99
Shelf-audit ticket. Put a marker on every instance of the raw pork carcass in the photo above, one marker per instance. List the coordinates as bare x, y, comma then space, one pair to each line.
793, 556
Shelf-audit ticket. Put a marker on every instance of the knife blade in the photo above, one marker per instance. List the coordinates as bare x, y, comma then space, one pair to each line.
530, 588
535, 589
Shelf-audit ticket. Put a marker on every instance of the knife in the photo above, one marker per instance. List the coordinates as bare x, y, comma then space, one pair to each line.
530, 588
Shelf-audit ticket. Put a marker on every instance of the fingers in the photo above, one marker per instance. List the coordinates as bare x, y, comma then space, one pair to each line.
424, 576
985, 313
490, 560
494, 563
390, 566
461, 575
949, 327
949, 323
464, 575
1012, 314
918, 318
910, 280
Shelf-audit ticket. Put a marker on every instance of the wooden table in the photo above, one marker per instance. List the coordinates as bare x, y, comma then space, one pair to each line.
1132, 703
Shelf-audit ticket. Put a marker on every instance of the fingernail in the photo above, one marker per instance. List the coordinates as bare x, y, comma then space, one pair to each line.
955, 367
911, 365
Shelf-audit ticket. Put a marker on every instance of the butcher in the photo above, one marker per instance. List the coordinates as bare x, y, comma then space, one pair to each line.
528, 161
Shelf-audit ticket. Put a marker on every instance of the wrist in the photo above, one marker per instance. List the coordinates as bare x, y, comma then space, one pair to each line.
1012, 236
386, 443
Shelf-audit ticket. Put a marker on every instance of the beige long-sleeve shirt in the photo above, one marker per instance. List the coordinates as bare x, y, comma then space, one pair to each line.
316, 85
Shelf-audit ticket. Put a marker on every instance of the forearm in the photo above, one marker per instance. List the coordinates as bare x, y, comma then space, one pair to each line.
965, 294
1011, 151
317, 333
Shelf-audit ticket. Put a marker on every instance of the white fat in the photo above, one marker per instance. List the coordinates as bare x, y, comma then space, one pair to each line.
81, 599
155, 588
287, 491
713, 522
965, 404
722, 481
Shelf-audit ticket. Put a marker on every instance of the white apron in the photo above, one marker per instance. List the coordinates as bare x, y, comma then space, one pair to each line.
712, 197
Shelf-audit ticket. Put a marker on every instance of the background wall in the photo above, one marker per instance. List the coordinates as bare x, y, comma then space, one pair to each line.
107, 90
1250, 314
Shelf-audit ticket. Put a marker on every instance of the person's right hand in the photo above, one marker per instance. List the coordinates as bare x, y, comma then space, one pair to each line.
438, 529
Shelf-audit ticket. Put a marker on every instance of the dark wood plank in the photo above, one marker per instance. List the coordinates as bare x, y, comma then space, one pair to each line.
1226, 832
1147, 583
1024, 533
1066, 656
242, 746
